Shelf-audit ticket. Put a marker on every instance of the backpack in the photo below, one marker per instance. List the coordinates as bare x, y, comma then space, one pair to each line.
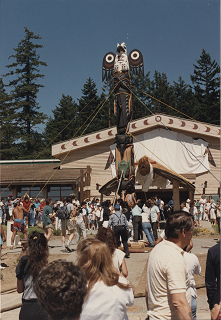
63, 213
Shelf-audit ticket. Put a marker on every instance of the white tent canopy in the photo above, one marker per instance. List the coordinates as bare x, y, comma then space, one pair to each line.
184, 156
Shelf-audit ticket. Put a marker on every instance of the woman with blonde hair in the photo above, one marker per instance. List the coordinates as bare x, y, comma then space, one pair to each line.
107, 236
109, 294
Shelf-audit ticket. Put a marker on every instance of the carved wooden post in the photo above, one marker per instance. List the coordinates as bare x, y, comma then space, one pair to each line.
81, 185
191, 196
176, 195
88, 181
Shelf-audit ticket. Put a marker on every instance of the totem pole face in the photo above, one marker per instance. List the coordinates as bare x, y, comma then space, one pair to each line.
123, 166
144, 166
121, 61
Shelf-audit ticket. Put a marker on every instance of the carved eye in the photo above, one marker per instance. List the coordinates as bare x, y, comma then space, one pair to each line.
135, 55
109, 58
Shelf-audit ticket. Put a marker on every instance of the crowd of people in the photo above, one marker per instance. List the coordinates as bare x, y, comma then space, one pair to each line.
97, 287
129, 217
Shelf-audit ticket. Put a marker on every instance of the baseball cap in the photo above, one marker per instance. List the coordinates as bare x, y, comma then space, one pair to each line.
117, 207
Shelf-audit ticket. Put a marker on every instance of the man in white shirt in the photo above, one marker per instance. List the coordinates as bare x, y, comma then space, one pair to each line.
82, 222
183, 207
76, 201
203, 202
168, 289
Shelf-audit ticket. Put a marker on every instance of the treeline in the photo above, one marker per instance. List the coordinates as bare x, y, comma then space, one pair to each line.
20, 113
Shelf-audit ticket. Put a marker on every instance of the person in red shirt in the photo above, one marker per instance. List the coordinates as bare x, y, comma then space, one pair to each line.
26, 204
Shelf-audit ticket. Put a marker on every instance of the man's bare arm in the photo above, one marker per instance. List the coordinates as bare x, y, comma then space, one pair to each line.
181, 306
13, 215
25, 210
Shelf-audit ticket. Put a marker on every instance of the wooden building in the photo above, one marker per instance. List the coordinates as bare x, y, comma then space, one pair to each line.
93, 150
39, 178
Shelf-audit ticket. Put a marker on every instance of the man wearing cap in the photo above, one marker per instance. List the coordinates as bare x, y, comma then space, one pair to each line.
118, 221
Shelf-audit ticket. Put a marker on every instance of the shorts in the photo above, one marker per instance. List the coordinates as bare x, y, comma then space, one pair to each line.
48, 226
19, 225
67, 224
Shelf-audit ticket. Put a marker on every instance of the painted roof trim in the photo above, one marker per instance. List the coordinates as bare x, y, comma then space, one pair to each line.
136, 127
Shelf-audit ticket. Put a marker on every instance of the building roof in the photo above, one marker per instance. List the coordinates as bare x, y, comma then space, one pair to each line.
26, 174
137, 127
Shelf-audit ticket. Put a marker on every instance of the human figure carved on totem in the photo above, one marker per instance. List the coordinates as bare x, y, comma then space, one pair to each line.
119, 66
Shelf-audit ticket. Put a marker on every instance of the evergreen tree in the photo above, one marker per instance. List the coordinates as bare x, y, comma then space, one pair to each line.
206, 88
107, 112
183, 98
161, 89
25, 89
141, 103
87, 105
62, 126
9, 130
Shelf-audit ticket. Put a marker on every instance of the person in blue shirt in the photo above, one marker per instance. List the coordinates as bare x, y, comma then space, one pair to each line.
137, 220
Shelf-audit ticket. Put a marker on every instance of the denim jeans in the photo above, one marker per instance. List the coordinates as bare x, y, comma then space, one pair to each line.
147, 229
32, 217
193, 307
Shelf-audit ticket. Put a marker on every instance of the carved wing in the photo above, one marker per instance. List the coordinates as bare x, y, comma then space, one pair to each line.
108, 65
136, 62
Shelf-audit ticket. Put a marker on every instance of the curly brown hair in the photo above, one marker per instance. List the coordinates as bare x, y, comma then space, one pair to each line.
61, 288
38, 252
106, 235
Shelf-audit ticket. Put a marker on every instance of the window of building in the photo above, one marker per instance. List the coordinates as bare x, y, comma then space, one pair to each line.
56, 192
5, 192
31, 191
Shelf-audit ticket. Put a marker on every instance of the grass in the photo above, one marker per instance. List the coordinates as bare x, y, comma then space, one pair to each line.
197, 231
29, 231
57, 232
215, 228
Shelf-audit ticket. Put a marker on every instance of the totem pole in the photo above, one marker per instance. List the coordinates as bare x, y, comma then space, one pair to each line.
118, 66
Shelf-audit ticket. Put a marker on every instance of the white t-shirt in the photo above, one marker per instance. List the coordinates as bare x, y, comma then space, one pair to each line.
80, 217
145, 214
117, 258
163, 235
76, 202
107, 303
167, 273
193, 268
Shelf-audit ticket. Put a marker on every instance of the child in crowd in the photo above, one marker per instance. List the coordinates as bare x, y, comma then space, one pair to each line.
194, 212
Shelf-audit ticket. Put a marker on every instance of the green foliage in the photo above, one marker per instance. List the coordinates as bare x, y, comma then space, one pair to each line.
9, 129
25, 73
57, 232
206, 86
63, 125
88, 106
215, 228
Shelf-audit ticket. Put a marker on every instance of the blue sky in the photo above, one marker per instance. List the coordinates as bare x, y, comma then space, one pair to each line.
76, 34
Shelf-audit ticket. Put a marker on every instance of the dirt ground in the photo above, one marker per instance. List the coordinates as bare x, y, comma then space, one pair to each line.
8, 281
10, 261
